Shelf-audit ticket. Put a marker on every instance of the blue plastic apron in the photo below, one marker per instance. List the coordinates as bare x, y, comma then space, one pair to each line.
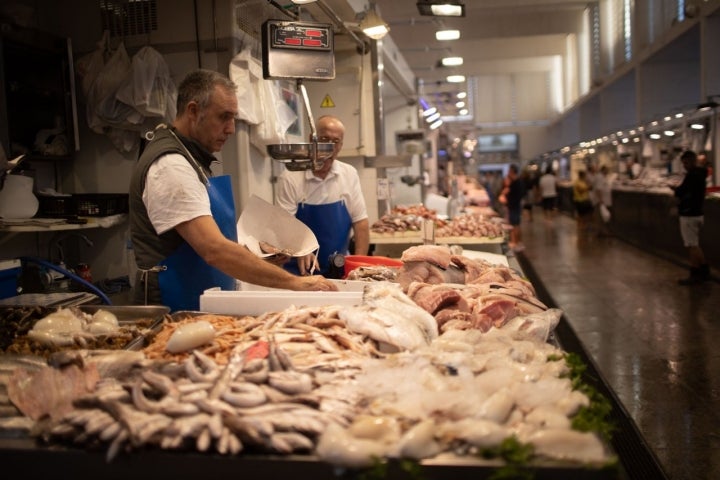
187, 275
331, 224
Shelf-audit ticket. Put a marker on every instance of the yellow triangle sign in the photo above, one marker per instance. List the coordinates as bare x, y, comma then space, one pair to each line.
327, 102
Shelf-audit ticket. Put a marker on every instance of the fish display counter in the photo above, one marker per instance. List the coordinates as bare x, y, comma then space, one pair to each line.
420, 378
650, 221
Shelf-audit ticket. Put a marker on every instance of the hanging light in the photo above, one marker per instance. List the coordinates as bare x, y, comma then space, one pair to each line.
455, 78
443, 35
452, 61
303, 2
441, 8
372, 25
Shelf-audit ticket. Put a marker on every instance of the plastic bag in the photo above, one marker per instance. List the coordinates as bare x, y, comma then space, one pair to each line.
278, 117
605, 213
246, 72
149, 89
103, 108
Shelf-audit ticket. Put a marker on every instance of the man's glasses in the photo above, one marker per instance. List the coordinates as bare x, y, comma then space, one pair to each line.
329, 140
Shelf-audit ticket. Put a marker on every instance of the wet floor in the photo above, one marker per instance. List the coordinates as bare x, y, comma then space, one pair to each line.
655, 343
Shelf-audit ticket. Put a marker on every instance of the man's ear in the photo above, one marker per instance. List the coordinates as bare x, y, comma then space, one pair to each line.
192, 110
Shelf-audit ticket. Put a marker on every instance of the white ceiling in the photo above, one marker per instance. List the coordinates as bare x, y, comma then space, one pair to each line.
497, 37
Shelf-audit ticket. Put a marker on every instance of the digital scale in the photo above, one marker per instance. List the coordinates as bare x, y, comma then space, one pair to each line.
299, 51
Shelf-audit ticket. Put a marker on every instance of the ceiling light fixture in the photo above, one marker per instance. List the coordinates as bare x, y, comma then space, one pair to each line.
455, 78
452, 61
372, 25
436, 125
303, 2
461, 95
441, 8
429, 111
697, 126
443, 35
433, 117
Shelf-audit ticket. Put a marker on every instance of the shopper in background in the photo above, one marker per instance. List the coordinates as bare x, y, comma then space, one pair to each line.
635, 168
530, 184
329, 201
691, 196
602, 201
548, 192
511, 197
582, 203
182, 219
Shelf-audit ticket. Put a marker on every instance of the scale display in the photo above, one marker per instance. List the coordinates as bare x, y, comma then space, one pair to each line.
300, 50
296, 36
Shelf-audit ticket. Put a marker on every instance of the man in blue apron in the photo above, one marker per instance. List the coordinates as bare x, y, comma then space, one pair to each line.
329, 201
182, 219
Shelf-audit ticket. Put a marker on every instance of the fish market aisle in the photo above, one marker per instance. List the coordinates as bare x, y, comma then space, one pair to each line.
655, 343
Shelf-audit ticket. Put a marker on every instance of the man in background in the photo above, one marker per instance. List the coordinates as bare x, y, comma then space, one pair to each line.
691, 197
329, 201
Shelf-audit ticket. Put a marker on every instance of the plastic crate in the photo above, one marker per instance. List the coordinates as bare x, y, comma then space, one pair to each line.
53, 206
100, 204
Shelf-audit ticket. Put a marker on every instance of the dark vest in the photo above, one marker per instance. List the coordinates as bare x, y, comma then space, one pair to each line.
149, 247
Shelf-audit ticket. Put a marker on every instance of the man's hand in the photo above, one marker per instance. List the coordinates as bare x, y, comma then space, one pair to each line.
314, 283
307, 265
278, 259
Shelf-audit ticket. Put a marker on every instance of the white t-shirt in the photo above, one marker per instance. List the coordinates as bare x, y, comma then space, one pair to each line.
173, 193
547, 185
341, 183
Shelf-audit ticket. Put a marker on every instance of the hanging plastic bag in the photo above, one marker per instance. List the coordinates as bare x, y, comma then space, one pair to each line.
605, 213
104, 109
150, 89
246, 72
277, 119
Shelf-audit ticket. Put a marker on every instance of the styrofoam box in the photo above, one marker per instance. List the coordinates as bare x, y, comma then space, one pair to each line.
343, 286
241, 302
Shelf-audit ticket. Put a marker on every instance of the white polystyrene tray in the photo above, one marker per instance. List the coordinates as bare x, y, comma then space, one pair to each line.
343, 286
258, 302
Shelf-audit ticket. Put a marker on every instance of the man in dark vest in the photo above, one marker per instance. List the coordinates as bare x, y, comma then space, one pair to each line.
182, 219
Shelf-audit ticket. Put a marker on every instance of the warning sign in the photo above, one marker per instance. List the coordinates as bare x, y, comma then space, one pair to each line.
327, 102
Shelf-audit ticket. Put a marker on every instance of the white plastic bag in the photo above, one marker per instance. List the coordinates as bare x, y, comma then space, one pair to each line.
246, 72
278, 117
150, 89
604, 213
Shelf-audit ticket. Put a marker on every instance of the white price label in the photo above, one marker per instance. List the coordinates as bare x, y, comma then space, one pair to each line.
383, 189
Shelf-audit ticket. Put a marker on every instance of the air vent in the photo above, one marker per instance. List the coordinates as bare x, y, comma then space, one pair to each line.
124, 18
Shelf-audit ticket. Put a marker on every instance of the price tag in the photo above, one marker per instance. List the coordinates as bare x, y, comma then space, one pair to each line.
383, 189
428, 232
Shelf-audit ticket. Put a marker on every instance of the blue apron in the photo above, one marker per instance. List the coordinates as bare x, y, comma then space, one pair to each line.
187, 275
331, 224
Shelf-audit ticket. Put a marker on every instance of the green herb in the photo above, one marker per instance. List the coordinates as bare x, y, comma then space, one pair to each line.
516, 455
594, 417
413, 468
377, 471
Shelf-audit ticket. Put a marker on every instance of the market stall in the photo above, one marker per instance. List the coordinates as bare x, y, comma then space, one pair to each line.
447, 378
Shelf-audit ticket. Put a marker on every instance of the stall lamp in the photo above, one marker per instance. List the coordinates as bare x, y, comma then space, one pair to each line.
459, 104
669, 133
455, 78
655, 136
462, 95
443, 35
373, 26
436, 125
429, 111
441, 8
433, 117
697, 126
303, 2
452, 61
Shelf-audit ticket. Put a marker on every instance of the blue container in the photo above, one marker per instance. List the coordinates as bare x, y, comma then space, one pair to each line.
9, 275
